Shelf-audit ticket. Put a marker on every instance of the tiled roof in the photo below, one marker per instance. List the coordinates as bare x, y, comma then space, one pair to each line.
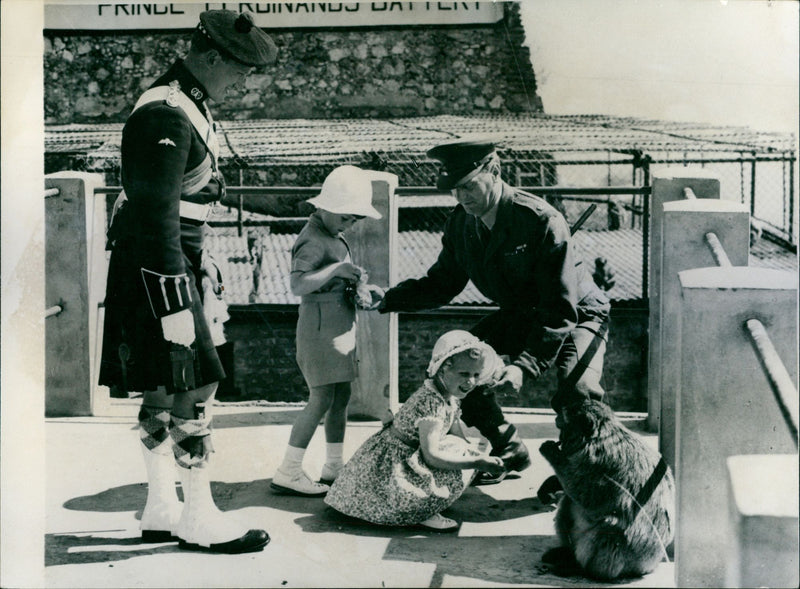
314, 141
417, 250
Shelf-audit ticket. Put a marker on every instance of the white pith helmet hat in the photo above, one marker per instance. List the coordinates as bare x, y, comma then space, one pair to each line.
347, 190
452, 343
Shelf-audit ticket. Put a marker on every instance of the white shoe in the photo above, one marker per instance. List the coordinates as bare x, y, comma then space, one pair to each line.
203, 526
162, 510
439, 523
329, 474
299, 484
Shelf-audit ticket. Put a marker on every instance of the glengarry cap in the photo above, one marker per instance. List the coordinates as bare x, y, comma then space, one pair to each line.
237, 37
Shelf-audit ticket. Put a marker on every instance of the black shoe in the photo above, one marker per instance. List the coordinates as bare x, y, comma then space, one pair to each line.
157, 536
482, 479
252, 541
512, 450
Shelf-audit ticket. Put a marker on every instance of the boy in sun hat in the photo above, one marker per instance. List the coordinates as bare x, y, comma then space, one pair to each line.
322, 274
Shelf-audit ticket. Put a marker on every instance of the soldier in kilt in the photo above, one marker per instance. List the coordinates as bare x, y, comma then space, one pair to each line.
156, 337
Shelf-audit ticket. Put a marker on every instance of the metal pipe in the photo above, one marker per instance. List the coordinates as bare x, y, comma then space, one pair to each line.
782, 386
646, 230
791, 202
52, 311
582, 219
240, 216
717, 251
689, 194
419, 190
753, 187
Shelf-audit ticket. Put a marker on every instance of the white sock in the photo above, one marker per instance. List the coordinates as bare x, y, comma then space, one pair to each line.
333, 453
293, 460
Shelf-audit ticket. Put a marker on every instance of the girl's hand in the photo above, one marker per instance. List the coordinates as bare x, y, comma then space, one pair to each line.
490, 464
348, 271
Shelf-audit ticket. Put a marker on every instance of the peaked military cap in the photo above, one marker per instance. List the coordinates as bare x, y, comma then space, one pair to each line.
237, 37
459, 159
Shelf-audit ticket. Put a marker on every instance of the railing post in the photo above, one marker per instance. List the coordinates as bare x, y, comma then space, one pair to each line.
668, 185
685, 225
75, 275
376, 388
724, 406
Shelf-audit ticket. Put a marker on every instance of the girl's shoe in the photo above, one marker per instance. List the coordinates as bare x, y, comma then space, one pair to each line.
439, 523
298, 484
329, 474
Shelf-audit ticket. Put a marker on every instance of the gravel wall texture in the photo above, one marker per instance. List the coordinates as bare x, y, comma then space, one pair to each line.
328, 73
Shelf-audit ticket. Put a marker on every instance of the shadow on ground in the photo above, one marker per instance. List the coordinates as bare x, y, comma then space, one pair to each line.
60, 549
505, 560
473, 506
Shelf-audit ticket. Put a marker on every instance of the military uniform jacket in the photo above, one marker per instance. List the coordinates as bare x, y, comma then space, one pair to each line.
525, 265
169, 178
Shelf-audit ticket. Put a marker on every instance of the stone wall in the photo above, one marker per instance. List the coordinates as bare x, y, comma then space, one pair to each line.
333, 73
264, 367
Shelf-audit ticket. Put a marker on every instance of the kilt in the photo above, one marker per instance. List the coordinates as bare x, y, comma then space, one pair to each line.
135, 356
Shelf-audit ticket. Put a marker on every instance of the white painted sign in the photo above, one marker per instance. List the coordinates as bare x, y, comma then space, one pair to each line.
269, 15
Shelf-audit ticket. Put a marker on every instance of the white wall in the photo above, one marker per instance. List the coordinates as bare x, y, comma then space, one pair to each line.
721, 62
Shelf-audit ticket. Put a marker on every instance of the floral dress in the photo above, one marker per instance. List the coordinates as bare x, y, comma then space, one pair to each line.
387, 480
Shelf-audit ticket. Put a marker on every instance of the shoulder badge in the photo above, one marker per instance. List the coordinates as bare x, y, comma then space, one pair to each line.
172, 96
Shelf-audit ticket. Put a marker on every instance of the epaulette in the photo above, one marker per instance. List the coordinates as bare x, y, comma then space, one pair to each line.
532, 202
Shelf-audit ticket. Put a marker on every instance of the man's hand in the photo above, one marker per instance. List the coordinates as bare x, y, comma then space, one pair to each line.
509, 380
376, 295
178, 328
210, 270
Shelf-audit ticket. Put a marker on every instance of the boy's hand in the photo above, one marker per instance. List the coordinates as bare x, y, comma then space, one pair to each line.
348, 271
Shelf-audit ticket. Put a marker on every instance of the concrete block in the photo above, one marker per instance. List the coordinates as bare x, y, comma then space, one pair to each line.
725, 405
668, 185
763, 500
75, 273
375, 390
685, 224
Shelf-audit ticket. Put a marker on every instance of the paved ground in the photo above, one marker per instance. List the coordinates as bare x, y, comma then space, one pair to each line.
96, 490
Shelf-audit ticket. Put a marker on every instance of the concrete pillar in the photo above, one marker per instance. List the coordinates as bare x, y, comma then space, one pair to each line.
725, 405
764, 548
684, 226
668, 186
75, 274
373, 245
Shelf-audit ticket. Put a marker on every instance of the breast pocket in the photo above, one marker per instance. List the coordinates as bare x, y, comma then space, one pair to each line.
518, 265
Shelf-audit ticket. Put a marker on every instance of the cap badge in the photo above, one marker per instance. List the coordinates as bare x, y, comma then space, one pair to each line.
196, 93
172, 95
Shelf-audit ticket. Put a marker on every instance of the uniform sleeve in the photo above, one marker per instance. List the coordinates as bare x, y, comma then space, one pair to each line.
443, 281
155, 149
556, 312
